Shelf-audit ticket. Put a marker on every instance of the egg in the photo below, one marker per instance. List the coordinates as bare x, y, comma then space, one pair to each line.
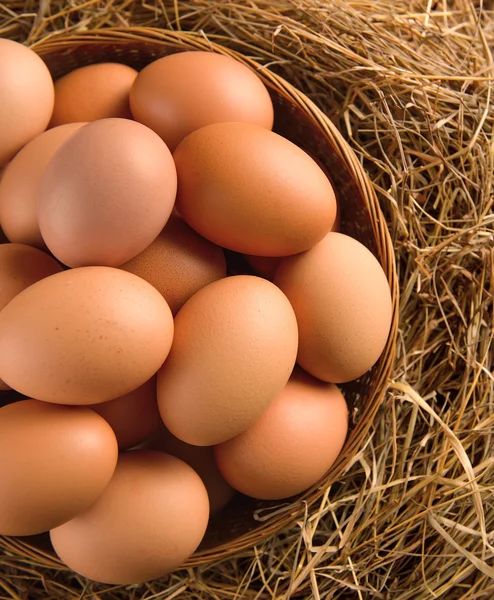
250, 190
26, 97
180, 93
20, 185
178, 263
106, 194
292, 445
84, 336
149, 520
201, 459
264, 265
341, 297
98, 91
133, 417
20, 267
55, 461
234, 349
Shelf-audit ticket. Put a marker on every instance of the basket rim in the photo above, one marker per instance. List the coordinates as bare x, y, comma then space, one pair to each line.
60, 42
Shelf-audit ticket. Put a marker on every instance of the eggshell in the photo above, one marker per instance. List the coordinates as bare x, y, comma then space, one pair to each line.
149, 520
55, 461
84, 336
180, 93
20, 185
26, 97
178, 263
106, 194
292, 445
98, 91
133, 417
234, 349
250, 190
342, 301
264, 265
201, 459
20, 267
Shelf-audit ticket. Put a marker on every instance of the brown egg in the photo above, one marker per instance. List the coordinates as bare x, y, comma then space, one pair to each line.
201, 459
55, 461
20, 186
133, 417
264, 265
149, 520
26, 97
342, 300
178, 263
180, 93
234, 349
250, 190
98, 91
84, 336
20, 267
107, 194
292, 445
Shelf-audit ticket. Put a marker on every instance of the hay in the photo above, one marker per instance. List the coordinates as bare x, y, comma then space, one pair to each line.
409, 83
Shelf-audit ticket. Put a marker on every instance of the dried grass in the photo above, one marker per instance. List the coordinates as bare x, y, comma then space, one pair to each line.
409, 83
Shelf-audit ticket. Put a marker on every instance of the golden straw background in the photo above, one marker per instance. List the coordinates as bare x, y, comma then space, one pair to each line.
409, 83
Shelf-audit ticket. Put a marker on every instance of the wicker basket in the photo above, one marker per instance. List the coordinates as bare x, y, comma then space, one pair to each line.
246, 521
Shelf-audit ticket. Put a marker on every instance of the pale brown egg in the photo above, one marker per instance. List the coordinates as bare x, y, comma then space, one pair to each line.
178, 263
26, 97
292, 445
55, 461
20, 267
201, 459
234, 349
180, 93
98, 91
133, 417
342, 301
84, 336
106, 194
250, 190
149, 520
20, 185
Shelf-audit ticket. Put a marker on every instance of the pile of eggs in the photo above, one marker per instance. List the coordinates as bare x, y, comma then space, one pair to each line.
152, 384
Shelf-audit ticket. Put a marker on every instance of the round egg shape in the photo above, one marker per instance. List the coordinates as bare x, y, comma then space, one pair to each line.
55, 461
84, 336
98, 91
178, 263
106, 194
21, 183
133, 417
20, 267
201, 459
234, 349
342, 301
250, 190
26, 97
292, 445
149, 520
182, 92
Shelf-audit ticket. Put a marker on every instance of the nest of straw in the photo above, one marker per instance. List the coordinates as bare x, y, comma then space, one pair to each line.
409, 84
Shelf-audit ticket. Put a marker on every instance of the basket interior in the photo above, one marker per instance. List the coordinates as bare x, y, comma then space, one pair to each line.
243, 522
